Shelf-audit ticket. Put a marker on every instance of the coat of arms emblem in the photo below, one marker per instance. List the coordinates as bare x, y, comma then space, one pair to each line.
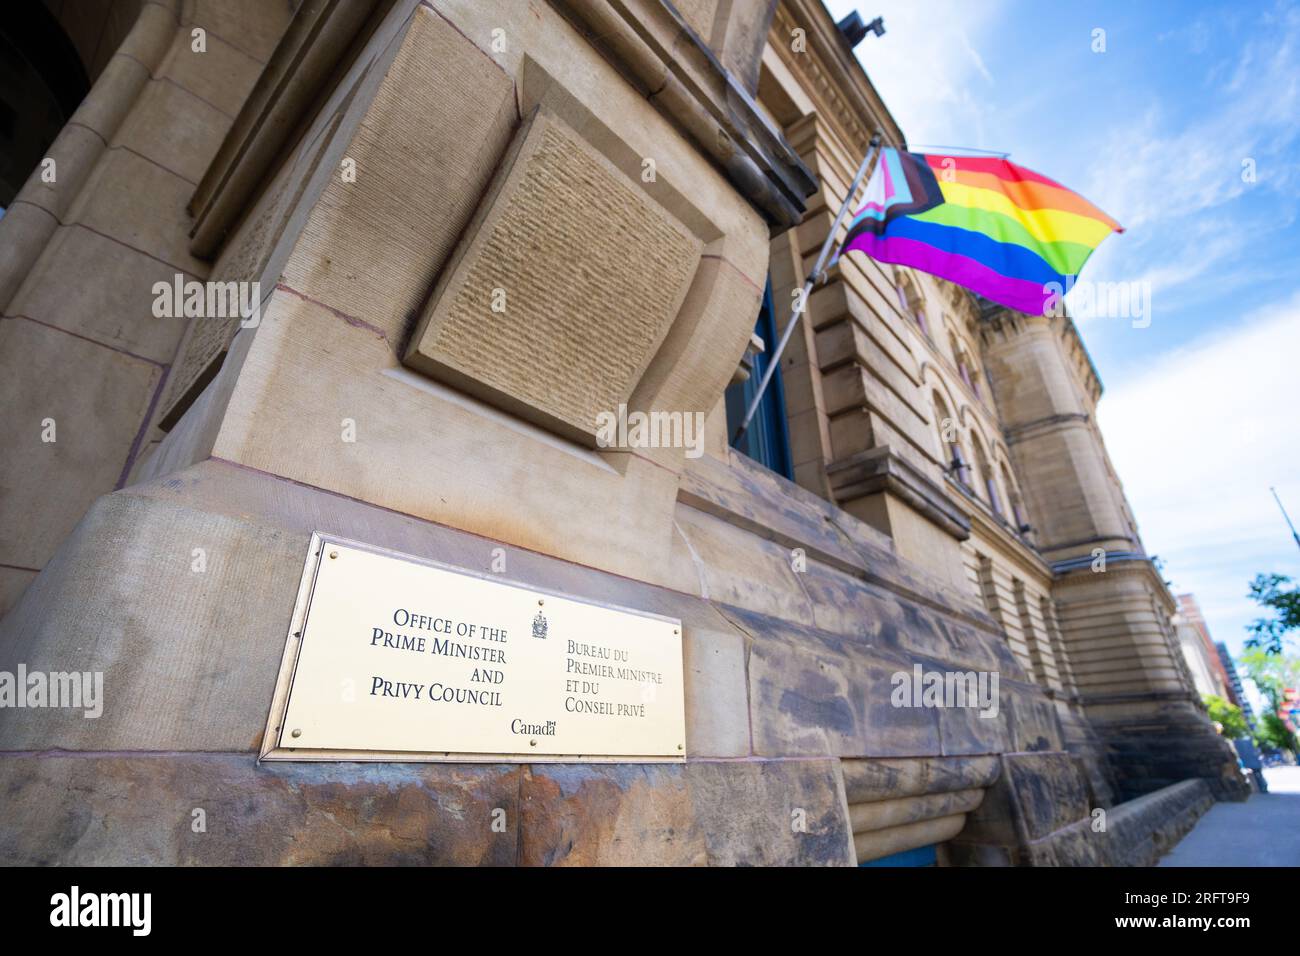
539, 626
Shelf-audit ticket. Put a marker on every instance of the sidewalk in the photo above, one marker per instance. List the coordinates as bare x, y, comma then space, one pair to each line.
1263, 831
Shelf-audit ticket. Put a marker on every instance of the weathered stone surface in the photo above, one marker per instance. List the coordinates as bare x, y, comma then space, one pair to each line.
24, 230
471, 466
717, 693
902, 804
97, 398
254, 28
1137, 833
869, 780
973, 729
620, 815
1031, 719
564, 236
1036, 795
97, 311
812, 693
1160, 744
253, 253
1041, 817
13, 581
158, 228
741, 570
424, 151
189, 657
1050, 792
881, 814
174, 128
222, 75
140, 810
786, 670
845, 604
874, 844
673, 814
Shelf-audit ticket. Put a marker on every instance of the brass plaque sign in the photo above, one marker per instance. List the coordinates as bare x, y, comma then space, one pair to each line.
393, 658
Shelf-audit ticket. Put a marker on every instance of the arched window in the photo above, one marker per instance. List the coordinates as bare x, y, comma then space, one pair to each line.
43, 80
986, 477
1013, 495
944, 424
910, 301
955, 461
964, 366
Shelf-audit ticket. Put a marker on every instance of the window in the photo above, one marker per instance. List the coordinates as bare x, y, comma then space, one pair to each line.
767, 440
911, 304
1017, 507
954, 459
920, 320
986, 476
967, 369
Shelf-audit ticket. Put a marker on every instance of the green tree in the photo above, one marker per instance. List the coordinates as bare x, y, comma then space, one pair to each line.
1268, 591
1271, 672
1228, 715
1274, 734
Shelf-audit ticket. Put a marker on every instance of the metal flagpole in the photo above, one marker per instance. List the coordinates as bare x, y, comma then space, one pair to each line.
814, 277
1286, 516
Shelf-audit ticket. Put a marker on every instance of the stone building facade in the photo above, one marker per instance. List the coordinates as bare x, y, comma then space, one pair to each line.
474, 227
1207, 671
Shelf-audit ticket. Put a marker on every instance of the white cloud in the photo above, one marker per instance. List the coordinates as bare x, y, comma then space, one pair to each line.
1158, 175
927, 68
1197, 439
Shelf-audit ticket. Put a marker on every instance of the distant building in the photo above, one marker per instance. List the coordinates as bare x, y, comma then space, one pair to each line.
1238, 693
1254, 697
1203, 663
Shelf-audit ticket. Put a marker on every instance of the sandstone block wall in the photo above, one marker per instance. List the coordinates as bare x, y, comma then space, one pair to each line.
79, 343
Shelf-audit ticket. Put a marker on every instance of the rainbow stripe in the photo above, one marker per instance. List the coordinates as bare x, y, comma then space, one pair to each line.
1000, 230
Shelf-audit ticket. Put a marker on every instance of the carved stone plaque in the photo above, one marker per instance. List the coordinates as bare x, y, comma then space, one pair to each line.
393, 658
571, 280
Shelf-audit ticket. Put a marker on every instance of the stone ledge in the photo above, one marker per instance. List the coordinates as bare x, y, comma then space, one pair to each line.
867, 781
140, 809
880, 470
653, 47
1137, 833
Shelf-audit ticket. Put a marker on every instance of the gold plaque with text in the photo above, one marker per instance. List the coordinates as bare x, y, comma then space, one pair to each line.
391, 657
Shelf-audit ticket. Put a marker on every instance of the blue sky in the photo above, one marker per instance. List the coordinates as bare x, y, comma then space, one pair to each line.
1200, 408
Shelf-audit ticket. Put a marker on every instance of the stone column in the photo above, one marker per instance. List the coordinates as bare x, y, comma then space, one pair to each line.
1112, 606
84, 358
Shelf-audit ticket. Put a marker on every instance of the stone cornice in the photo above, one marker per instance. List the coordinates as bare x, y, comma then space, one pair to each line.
1134, 562
879, 469
998, 322
654, 48
987, 524
834, 78
1026, 430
